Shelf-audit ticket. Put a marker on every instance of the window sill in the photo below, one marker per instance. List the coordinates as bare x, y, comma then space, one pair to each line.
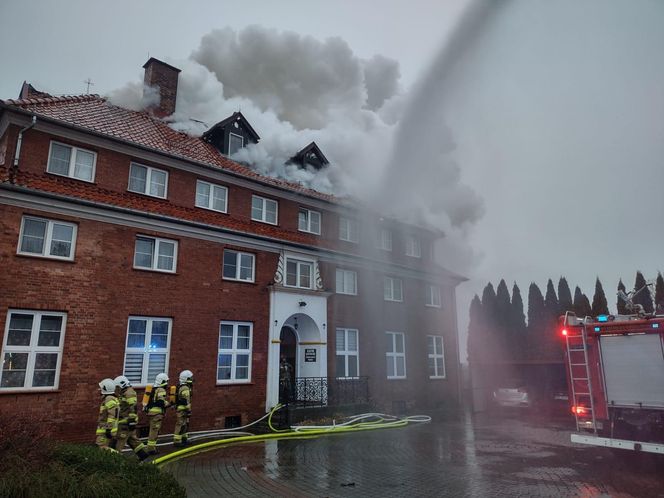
437, 378
159, 272
91, 182
148, 195
433, 306
210, 209
48, 258
397, 378
392, 301
235, 383
238, 281
308, 232
6, 391
345, 294
265, 222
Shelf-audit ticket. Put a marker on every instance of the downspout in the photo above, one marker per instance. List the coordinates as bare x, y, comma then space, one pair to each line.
14, 169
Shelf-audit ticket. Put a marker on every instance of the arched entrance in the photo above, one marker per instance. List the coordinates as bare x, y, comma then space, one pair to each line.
287, 364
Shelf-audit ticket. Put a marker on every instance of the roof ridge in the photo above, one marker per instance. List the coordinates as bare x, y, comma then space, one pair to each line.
54, 100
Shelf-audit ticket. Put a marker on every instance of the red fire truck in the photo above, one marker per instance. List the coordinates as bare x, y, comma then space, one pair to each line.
615, 377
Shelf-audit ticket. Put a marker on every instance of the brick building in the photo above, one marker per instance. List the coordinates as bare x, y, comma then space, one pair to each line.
129, 247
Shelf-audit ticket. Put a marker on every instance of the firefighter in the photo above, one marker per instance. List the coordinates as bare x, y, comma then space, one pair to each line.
128, 418
183, 397
156, 408
107, 424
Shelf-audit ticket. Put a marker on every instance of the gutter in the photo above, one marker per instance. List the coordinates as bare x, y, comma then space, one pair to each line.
17, 153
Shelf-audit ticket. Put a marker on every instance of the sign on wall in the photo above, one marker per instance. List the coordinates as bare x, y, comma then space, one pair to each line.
310, 356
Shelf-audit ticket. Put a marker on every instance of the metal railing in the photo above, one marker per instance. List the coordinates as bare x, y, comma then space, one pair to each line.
327, 391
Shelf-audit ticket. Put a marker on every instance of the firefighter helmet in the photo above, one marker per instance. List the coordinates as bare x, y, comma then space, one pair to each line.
107, 386
161, 379
186, 376
122, 382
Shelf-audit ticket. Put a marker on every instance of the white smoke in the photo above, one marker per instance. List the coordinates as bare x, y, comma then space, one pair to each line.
294, 90
135, 96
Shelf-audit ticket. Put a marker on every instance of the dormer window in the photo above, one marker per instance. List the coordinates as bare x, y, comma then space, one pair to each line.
310, 156
231, 134
235, 143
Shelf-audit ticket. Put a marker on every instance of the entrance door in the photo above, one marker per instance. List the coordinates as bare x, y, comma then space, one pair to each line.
287, 364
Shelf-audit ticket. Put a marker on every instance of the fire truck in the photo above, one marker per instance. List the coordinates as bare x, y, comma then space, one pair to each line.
615, 378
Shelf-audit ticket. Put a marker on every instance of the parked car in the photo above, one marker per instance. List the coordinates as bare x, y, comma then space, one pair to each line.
512, 396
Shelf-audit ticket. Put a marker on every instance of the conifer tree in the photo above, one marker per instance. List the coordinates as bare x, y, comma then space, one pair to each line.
536, 322
620, 304
659, 294
551, 301
502, 321
518, 324
642, 294
489, 302
599, 306
581, 304
564, 296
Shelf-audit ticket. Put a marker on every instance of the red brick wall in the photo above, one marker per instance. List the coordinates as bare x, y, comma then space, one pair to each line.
100, 290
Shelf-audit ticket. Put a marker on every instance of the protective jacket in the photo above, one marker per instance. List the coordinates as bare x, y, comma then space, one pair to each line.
183, 397
128, 401
108, 415
158, 402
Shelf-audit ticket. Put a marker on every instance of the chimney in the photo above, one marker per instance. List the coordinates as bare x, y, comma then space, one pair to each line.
164, 78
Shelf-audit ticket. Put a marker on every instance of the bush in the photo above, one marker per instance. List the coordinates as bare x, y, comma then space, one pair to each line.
80, 471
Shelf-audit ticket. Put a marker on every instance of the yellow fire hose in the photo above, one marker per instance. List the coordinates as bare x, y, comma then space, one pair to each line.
353, 425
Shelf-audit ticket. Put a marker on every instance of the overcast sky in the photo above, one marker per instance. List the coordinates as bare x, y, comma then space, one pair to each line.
556, 109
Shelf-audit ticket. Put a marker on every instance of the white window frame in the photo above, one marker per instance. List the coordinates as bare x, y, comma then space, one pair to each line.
231, 134
437, 356
212, 187
347, 353
48, 238
341, 277
263, 218
146, 350
148, 180
234, 351
155, 253
385, 239
72, 161
238, 256
390, 296
413, 246
308, 213
431, 295
392, 355
33, 349
349, 230
300, 263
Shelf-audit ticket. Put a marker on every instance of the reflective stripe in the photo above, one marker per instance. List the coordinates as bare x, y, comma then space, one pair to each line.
131, 401
101, 432
155, 411
139, 448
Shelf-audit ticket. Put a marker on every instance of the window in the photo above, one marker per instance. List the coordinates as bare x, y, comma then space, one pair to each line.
155, 254
264, 210
234, 358
309, 221
238, 266
148, 344
413, 247
433, 296
347, 353
299, 273
71, 161
235, 143
396, 355
349, 230
385, 240
392, 289
211, 196
346, 282
47, 238
32, 349
436, 355
147, 180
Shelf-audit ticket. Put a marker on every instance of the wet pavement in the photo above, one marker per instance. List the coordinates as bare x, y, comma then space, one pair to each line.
485, 456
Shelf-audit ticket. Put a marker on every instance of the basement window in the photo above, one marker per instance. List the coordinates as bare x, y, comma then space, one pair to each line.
32, 350
66, 160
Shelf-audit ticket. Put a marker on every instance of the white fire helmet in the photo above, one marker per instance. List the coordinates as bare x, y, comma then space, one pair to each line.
161, 379
122, 382
186, 376
107, 386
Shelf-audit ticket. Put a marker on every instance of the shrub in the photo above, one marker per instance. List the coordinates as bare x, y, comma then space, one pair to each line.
80, 471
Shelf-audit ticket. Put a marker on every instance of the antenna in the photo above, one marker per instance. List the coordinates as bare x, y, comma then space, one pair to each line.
89, 83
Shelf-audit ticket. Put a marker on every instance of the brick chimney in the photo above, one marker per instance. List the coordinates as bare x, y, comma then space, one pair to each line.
164, 77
